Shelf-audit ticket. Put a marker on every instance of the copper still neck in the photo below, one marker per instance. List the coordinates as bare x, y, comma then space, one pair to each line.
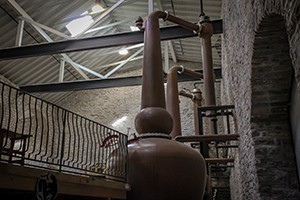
153, 117
173, 95
173, 99
155, 163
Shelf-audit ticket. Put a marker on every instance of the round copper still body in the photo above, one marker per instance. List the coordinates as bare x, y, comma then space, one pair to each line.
164, 169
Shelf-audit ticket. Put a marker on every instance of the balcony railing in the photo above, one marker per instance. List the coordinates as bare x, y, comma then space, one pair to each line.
39, 134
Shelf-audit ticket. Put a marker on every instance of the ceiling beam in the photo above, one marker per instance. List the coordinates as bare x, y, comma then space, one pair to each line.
119, 62
126, 38
108, 26
103, 83
30, 21
43, 33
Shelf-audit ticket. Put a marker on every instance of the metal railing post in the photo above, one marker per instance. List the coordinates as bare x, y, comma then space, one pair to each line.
62, 141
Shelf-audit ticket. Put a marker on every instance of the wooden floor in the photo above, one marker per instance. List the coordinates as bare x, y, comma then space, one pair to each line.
18, 181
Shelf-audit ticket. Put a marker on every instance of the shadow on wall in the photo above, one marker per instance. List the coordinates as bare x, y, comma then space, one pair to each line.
295, 122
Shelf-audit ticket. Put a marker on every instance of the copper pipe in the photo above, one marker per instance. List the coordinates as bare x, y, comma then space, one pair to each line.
154, 157
153, 113
173, 99
201, 138
172, 95
197, 103
191, 73
182, 22
153, 117
197, 99
183, 93
152, 88
208, 72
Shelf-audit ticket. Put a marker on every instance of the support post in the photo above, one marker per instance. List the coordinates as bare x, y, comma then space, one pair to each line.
20, 33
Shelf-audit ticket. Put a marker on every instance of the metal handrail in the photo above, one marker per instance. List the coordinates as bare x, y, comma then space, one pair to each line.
40, 134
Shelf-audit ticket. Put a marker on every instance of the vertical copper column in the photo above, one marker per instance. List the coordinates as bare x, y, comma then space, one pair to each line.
173, 99
160, 168
197, 98
153, 117
208, 72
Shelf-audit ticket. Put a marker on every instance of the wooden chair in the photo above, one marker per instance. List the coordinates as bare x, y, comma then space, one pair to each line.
8, 140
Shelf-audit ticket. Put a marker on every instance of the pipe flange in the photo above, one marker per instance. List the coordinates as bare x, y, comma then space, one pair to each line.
167, 16
193, 97
159, 135
198, 31
203, 19
139, 23
182, 69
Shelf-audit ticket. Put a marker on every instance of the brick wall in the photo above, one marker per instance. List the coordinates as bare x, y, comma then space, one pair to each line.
260, 52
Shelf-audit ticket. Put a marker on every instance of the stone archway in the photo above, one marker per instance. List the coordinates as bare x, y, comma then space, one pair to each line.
271, 81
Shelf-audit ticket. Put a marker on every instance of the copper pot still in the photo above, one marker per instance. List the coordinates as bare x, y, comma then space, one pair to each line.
160, 168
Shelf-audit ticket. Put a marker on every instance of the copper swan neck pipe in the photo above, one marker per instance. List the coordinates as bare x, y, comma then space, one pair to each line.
173, 99
173, 95
153, 116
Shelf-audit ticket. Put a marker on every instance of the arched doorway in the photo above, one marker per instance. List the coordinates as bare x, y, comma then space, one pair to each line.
271, 79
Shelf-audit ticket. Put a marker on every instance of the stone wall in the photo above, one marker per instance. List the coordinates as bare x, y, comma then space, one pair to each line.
261, 170
108, 105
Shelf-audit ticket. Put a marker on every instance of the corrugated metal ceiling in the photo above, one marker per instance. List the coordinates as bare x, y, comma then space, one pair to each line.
57, 13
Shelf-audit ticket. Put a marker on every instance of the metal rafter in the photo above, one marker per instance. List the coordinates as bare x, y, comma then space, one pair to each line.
103, 83
123, 63
120, 62
43, 33
119, 39
32, 22
19, 33
103, 15
107, 26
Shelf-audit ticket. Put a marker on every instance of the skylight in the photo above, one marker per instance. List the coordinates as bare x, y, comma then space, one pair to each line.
97, 9
76, 26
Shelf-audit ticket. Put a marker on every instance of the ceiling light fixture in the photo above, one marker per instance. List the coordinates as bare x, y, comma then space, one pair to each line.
123, 52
